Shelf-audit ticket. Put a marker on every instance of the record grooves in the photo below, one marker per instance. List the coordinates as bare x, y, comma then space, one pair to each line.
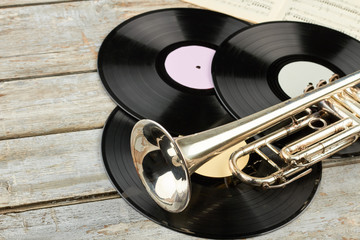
219, 207
131, 59
247, 64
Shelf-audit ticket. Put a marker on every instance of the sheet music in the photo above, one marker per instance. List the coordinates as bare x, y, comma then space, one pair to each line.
250, 10
342, 15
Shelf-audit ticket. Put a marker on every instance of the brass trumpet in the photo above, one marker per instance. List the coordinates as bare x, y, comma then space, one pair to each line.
164, 164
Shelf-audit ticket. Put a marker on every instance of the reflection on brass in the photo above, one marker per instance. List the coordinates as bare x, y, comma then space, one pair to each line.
165, 164
218, 167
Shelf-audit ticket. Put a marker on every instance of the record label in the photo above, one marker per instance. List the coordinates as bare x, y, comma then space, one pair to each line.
190, 66
296, 76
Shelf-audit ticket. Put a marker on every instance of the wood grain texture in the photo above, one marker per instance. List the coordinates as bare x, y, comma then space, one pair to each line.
52, 105
50, 39
333, 214
48, 168
48, 85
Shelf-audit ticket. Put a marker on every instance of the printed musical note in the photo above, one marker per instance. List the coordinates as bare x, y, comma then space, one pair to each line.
341, 15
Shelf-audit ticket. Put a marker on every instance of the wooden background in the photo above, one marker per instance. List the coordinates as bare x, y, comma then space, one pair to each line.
52, 109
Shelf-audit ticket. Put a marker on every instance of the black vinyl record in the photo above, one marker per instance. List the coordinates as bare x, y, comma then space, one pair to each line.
131, 65
247, 64
219, 207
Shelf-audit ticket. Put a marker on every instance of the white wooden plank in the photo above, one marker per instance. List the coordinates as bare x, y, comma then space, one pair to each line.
52, 167
333, 214
52, 105
60, 38
111, 219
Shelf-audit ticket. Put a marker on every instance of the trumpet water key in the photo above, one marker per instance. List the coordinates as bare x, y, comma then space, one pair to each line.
165, 164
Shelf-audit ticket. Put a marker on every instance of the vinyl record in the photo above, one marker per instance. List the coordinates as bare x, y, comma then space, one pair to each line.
219, 207
246, 66
158, 66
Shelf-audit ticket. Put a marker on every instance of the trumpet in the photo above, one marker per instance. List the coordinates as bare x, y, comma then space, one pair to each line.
165, 164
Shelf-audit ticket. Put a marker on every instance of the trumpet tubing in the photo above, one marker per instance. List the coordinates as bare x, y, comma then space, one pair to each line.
165, 164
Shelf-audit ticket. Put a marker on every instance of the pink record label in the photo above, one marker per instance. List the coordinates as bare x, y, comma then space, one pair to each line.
190, 66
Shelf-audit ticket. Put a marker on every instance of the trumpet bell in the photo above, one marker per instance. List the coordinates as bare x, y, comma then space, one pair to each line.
160, 165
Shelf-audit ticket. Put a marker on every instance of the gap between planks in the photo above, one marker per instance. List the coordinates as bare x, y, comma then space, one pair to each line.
29, 4
60, 202
53, 132
48, 75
